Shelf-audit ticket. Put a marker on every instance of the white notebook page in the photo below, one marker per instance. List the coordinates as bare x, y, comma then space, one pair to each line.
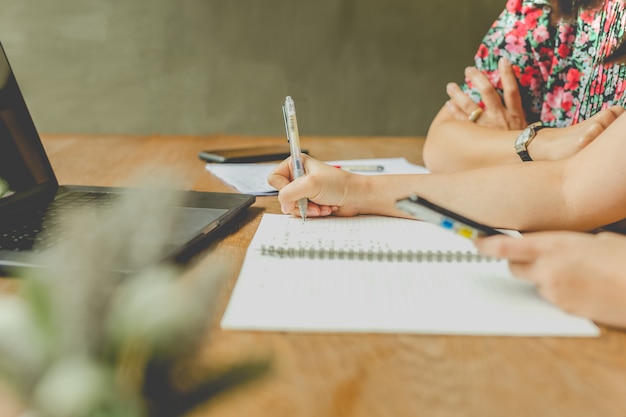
374, 294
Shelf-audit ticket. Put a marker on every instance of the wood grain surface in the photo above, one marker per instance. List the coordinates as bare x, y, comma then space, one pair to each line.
316, 375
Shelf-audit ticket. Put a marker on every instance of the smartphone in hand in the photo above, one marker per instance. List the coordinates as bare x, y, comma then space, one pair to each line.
246, 155
422, 209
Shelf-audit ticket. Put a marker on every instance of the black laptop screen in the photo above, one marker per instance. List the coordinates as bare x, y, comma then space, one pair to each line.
24, 166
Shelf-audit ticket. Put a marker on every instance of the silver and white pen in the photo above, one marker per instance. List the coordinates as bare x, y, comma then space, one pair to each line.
291, 127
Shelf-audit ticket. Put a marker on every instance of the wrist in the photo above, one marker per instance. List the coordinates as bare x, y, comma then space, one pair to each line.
377, 194
539, 148
359, 193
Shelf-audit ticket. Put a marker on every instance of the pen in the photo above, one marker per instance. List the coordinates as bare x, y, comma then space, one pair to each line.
291, 127
361, 168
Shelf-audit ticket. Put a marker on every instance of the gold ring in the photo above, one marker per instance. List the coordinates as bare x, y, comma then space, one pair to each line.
475, 114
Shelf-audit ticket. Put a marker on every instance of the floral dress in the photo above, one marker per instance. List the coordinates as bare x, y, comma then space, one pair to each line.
560, 69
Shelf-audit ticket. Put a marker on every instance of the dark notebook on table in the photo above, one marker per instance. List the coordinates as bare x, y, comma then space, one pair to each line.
31, 197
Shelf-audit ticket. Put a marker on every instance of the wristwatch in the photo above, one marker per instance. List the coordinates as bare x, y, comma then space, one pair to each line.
524, 139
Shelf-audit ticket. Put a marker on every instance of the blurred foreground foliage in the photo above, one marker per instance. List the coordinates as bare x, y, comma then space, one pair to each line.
83, 340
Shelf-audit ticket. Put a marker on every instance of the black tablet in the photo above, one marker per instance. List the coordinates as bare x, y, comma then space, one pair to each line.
247, 155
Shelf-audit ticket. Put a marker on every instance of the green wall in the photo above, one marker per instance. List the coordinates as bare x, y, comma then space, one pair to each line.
354, 67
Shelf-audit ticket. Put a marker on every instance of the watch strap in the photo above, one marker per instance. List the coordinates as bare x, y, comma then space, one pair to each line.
525, 156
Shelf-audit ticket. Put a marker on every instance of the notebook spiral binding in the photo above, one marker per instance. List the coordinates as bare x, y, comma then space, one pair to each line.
380, 256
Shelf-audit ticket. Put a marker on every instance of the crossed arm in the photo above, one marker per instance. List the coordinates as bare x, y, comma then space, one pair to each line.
454, 143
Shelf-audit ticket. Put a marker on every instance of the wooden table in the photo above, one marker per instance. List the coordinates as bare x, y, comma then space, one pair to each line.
319, 375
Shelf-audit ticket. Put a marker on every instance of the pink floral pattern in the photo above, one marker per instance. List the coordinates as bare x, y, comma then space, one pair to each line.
560, 69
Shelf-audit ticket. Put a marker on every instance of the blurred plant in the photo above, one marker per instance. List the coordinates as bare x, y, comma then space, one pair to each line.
83, 340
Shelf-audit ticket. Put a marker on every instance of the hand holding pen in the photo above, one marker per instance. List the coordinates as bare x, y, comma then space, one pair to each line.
291, 128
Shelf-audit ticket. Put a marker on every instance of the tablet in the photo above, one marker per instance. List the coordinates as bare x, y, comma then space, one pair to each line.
247, 155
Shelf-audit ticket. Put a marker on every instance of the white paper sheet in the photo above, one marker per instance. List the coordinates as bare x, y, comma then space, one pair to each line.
252, 178
372, 294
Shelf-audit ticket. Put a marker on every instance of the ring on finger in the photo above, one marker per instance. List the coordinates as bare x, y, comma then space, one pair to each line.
475, 114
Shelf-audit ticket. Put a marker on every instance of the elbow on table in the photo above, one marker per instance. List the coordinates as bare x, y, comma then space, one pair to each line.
434, 155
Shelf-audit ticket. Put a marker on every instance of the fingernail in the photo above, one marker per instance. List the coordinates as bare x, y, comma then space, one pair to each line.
504, 61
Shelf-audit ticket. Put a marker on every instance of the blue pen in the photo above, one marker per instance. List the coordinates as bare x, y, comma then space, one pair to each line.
291, 126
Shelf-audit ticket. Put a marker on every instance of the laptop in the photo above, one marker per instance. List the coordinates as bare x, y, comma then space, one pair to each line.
30, 193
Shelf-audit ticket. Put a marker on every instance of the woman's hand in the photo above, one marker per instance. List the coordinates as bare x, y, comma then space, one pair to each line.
330, 190
505, 112
581, 273
558, 143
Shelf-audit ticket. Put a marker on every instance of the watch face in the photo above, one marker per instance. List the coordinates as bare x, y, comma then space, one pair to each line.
523, 138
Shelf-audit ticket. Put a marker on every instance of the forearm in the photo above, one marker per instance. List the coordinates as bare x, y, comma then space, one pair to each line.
520, 196
453, 145
581, 192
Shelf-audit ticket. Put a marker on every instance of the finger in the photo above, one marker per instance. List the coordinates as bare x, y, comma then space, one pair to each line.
616, 110
289, 194
317, 210
321, 210
313, 210
512, 97
455, 111
489, 95
281, 175
524, 270
460, 99
595, 125
508, 247
326, 210
589, 135
606, 116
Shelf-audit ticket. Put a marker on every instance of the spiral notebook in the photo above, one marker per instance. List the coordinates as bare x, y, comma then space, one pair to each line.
383, 275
